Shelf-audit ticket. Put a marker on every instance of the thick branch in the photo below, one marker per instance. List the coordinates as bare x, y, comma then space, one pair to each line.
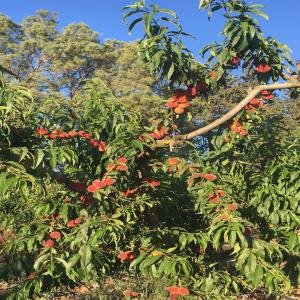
231, 113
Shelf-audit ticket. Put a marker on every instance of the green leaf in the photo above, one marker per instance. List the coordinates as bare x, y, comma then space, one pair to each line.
38, 157
85, 255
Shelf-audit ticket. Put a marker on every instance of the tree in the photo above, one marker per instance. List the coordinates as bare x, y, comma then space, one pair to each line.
111, 195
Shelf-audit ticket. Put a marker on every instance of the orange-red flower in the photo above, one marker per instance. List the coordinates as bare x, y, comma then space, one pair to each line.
173, 161
210, 177
52, 136
154, 183
71, 224
177, 291
263, 68
55, 235
232, 206
42, 131
122, 168
128, 293
48, 244
129, 193
122, 160
127, 255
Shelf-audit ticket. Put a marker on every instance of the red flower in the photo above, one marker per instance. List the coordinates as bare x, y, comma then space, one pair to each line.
55, 235
177, 291
269, 97
122, 168
78, 221
98, 184
154, 183
250, 108
265, 92
263, 68
173, 161
236, 126
172, 103
92, 189
31, 276
221, 193
87, 135
183, 99
71, 224
232, 206
243, 132
210, 177
52, 136
42, 131
93, 143
255, 101
57, 131
235, 60
101, 146
213, 200
127, 255
73, 133
63, 135
156, 135
133, 294
122, 160
48, 244
108, 181
129, 193
191, 91
81, 133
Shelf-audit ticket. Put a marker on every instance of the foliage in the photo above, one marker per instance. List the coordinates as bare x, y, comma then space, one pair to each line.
85, 194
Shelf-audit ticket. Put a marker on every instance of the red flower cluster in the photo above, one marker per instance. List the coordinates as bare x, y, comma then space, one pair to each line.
180, 99
74, 223
232, 206
157, 134
176, 291
237, 127
128, 293
129, 193
263, 68
100, 184
55, 235
267, 95
71, 134
48, 244
127, 255
153, 183
213, 197
98, 144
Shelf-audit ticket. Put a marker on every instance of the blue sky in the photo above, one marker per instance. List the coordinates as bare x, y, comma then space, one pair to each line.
105, 16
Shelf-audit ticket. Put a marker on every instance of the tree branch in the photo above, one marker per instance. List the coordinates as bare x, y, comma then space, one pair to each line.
231, 113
